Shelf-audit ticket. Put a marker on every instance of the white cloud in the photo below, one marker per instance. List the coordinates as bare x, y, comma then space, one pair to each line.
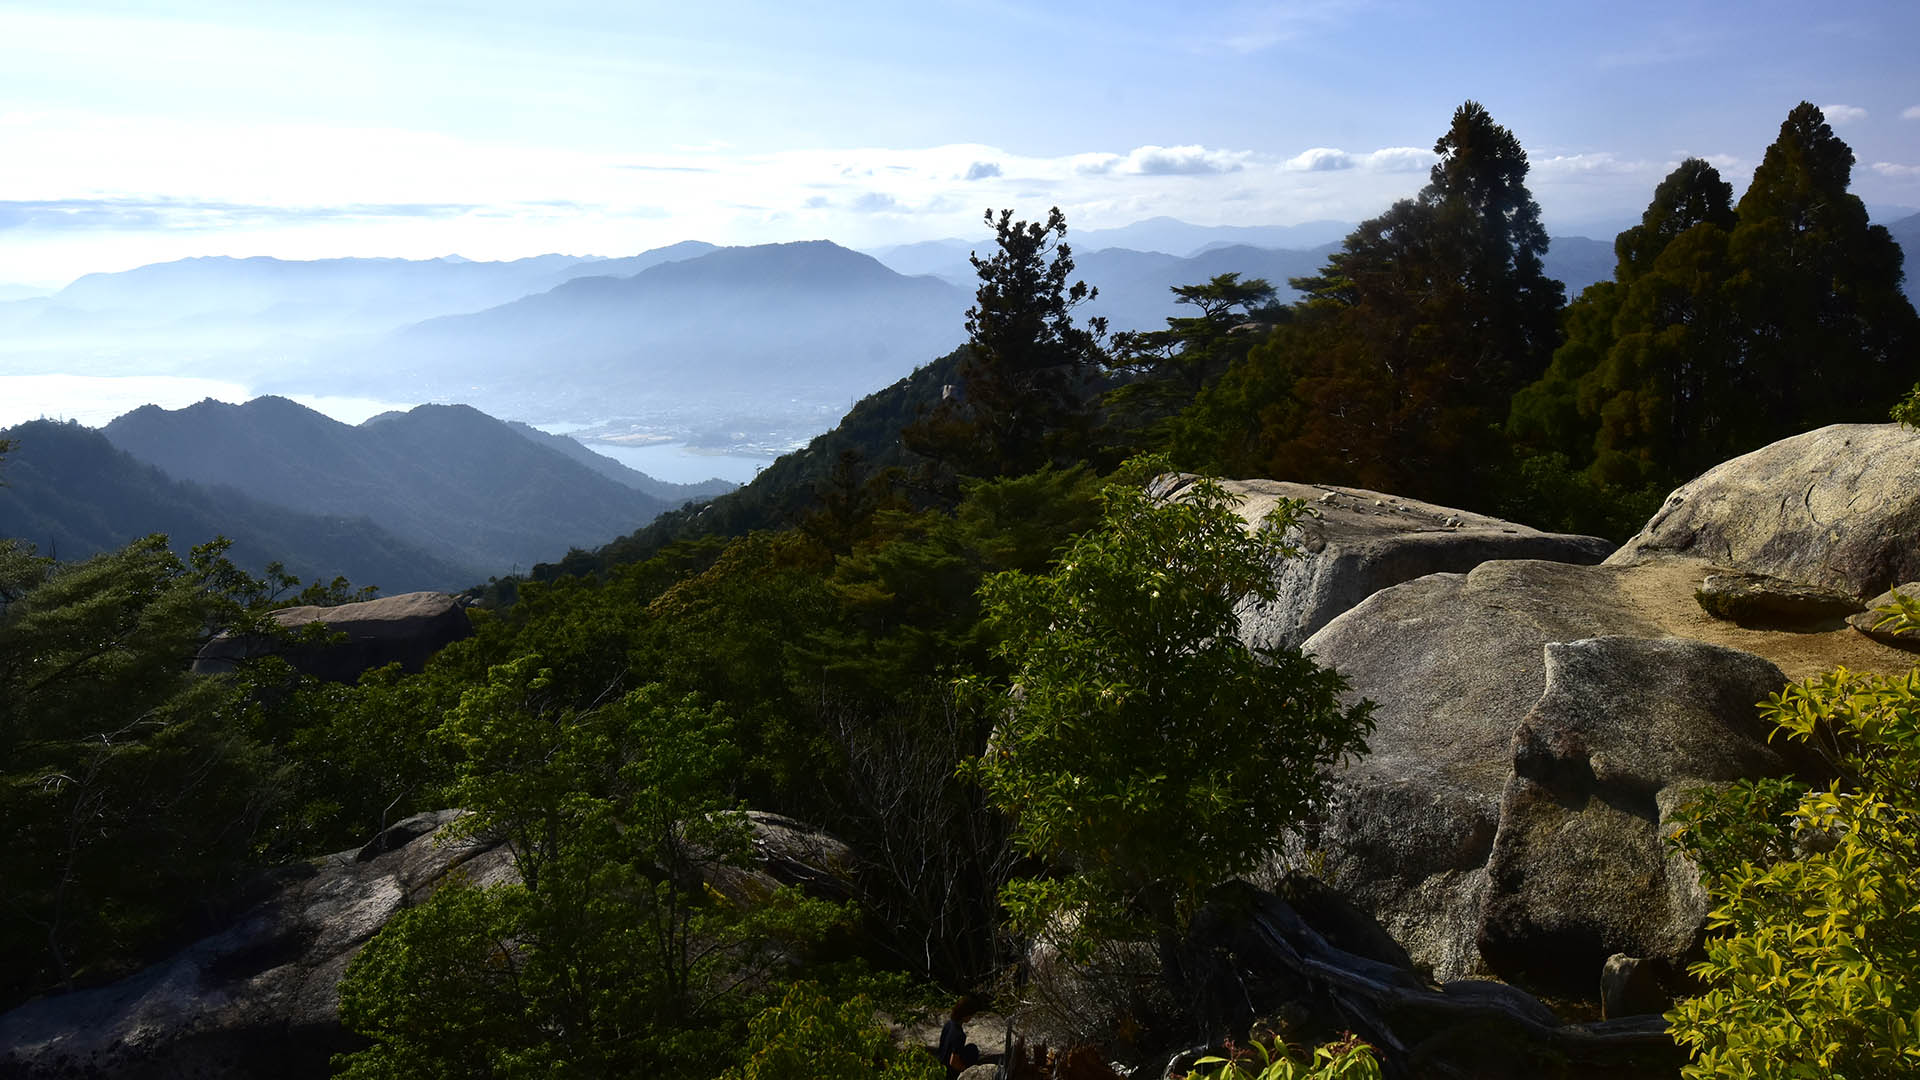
1095, 164
982, 170
1601, 163
1896, 172
1911, 112
874, 202
1842, 115
1180, 161
1320, 159
1400, 159
1391, 159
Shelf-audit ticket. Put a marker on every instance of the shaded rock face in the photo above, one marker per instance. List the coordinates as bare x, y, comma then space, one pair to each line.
406, 629
1354, 542
1453, 662
1626, 730
258, 999
262, 998
1837, 508
1455, 816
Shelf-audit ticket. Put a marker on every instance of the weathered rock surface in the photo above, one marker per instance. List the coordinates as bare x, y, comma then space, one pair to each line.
1838, 508
1627, 730
789, 852
1763, 600
407, 629
1354, 542
258, 999
1455, 664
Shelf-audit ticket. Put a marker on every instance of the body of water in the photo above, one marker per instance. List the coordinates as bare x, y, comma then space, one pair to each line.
678, 463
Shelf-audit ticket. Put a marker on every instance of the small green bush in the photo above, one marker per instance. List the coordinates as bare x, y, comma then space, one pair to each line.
1908, 411
1815, 967
1347, 1059
808, 1036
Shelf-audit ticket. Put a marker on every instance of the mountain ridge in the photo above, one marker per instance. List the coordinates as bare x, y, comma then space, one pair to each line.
446, 476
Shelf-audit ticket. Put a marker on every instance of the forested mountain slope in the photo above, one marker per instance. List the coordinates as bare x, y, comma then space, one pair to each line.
443, 476
70, 493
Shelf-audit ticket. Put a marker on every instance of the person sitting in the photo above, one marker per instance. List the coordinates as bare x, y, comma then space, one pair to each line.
955, 1052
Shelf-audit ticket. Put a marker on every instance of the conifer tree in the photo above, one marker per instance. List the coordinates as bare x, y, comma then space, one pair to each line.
1027, 377
1727, 328
1415, 335
1827, 335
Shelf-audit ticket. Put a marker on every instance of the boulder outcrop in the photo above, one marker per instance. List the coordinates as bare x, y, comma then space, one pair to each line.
1626, 730
1354, 542
1511, 814
260, 998
406, 629
1838, 508
1458, 664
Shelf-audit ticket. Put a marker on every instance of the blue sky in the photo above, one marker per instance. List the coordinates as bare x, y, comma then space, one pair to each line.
134, 132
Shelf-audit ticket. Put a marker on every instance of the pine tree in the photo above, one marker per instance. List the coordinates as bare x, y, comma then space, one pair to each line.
1417, 333
1827, 335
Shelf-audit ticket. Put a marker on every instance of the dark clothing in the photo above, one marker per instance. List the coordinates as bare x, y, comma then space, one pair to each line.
953, 1042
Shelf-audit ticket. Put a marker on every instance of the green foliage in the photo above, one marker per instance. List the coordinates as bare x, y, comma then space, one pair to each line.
1907, 410
1144, 750
1900, 616
1727, 328
1814, 966
1397, 370
1348, 1059
809, 1036
616, 954
132, 792
1027, 376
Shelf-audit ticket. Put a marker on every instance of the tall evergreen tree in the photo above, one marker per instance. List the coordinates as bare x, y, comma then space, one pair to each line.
1638, 392
1415, 335
1727, 328
1828, 333
1028, 375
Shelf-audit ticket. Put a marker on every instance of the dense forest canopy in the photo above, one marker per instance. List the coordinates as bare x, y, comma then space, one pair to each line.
806, 645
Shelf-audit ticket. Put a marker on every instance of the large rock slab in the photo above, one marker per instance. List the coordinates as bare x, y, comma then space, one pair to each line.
1354, 542
260, 998
1455, 664
1838, 508
406, 629
1626, 730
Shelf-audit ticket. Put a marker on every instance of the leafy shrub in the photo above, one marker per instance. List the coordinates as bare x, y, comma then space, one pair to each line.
1815, 968
808, 1036
1347, 1059
1908, 411
1143, 748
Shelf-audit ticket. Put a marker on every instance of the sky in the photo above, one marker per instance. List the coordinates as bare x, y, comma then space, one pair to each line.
137, 132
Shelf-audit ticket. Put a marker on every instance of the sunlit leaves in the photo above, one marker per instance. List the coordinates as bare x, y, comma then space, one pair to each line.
1813, 966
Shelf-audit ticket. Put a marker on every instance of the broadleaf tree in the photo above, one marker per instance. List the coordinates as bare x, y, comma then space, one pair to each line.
1145, 752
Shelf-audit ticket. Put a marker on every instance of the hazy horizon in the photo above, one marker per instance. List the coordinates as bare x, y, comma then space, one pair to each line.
143, 132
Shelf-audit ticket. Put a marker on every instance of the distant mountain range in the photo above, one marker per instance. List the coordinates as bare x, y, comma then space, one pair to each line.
72, 494
736, 330
1134, 283
446, 478
721, 347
